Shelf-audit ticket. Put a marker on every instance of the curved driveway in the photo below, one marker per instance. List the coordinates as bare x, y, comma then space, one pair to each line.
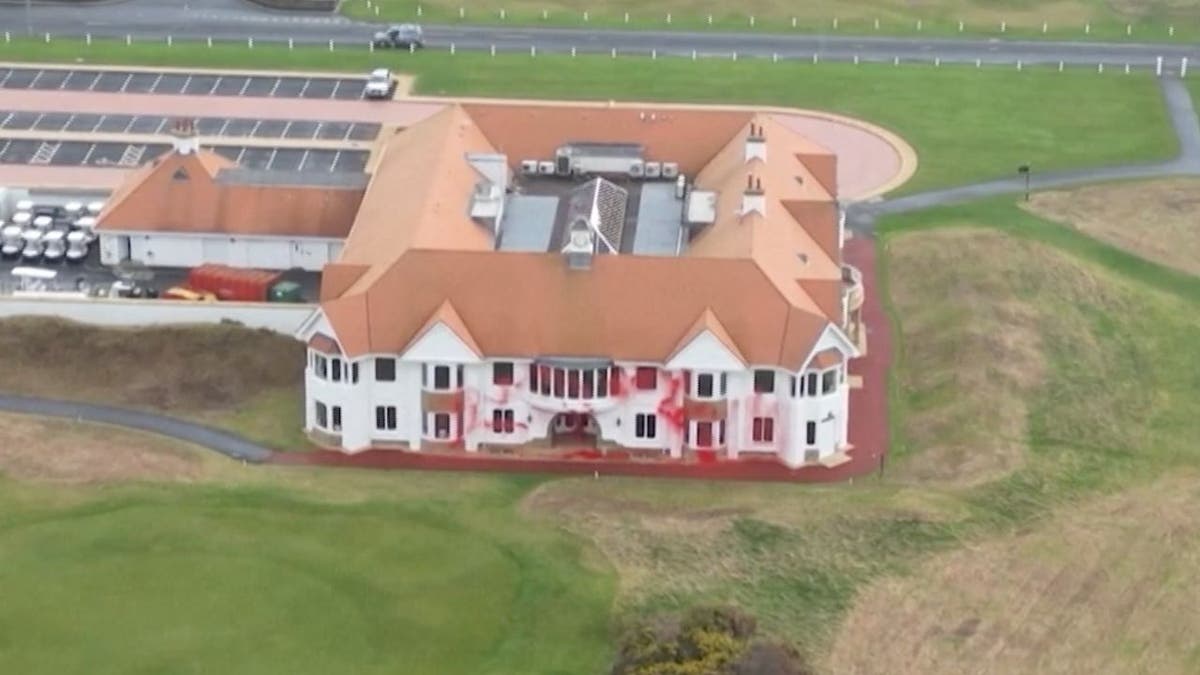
234, 19
226, 443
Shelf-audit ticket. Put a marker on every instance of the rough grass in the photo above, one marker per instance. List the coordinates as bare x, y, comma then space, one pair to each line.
1065, 18
1155, 220
247, 381
1086, 382
985, 122
287, 571
1110, 587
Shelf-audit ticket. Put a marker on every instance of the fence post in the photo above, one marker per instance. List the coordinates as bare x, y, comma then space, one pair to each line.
614, 52
502, 14
1171, 31
775, 57
960, 26
816, 59
292, 44
169, 43
1129, 29
462, 13
532, 51
420, 11
856, 59
793, 22
835, 23
876, 24
208, 41
693, 54
752, 21
572, 52
493, 50
978, 63
1003, 26
1060, 66
653, 54
1126, 68
1099, 67
250, 43
585, 17
1018, 64
331, 45
88, 38
1158, 66
1087, 29
735, 56
937, 61
896, 61
451, 49
1183, 67
668, 17
47, 38
919, 24
128, 39
1045, 27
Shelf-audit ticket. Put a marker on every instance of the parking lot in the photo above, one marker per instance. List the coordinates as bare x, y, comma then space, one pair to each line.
129, 155
205, 126
196, 84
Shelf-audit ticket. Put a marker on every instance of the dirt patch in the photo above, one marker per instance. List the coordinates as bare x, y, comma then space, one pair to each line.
1091, 591
66, 452
970, 359
185, 369
1153, 220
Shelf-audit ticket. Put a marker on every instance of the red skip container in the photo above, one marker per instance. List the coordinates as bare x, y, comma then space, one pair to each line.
232, 283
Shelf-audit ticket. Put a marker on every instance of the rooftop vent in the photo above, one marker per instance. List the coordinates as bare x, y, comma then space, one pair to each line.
183, 130
581, 245
756, 144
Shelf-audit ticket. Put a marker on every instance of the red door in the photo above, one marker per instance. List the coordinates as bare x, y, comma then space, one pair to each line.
704, 437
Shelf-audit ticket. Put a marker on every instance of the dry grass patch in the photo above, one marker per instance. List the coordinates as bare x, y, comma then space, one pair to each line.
59, 451
1154, 220
1108, 588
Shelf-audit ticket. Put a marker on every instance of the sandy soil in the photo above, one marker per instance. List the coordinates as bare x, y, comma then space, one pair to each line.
1110, 588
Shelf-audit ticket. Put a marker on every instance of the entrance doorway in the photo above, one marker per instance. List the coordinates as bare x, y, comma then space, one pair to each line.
575, 429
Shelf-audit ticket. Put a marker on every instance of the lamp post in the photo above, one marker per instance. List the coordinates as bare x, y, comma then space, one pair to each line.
1024, 170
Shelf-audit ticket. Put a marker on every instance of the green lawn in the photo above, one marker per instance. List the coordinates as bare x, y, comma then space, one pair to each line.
413, 574
967, 124
1151, 19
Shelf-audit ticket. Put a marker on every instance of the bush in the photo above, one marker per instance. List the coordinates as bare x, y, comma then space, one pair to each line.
705, 641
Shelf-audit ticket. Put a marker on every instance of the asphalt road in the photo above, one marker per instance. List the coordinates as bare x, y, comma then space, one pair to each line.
235, 19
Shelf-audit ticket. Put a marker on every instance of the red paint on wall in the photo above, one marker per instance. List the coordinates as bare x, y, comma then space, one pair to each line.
670, 406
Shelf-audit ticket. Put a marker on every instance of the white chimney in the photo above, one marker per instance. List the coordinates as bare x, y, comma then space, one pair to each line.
753, 198
756, 144
184, 132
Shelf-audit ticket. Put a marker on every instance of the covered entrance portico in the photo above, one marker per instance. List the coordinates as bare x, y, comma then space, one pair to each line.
574, 429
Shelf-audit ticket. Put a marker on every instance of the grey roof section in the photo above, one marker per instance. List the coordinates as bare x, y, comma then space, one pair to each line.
610, 201
528, 223
328, 179
660, 221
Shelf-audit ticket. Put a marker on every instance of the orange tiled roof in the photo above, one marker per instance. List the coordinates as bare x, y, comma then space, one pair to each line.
771, 283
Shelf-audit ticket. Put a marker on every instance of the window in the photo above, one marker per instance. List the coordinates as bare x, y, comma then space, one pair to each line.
647, 378
502, 373
572, 384
337, 418
560, 377
353, 373
441, 378
533, 378
828, 382
337, 370
645, 425
321, 366
810, 433
704, 385
589, 383
601, 384
764, 382
614, 382
385, 417
811, 389
763, 430
545, 379
704, 434
795, 392
322, 415
385, 370
441, 425
503, 421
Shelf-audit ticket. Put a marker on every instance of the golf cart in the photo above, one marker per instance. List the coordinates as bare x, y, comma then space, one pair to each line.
54, 245
77, 246
11, 242
33, 245
403, 36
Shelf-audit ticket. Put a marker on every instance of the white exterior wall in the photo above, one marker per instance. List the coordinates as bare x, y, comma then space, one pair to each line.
190, 250
615, 416
279, 317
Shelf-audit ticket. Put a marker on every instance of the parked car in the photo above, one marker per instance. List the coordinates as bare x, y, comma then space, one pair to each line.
54, 246
402, 36
11, 241
379, 84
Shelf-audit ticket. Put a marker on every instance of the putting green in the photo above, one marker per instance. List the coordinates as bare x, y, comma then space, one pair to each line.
205, 584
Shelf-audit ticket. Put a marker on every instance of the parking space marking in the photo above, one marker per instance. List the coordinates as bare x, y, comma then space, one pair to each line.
161, 123
271, 159
303, 161
336, 156
35, 79
87, 158
7, 75
129, 124
155, 85
67, 123
245, 86
95, 80
307, 81
126, 82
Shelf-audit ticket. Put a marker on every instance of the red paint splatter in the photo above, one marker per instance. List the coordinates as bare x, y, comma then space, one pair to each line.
670, 406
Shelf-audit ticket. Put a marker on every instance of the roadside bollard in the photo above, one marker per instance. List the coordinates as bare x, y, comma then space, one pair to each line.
331, 45
169, 42
292, 44
208, 41
250, 43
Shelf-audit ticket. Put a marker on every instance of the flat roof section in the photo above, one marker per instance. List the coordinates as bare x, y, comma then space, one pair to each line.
194, 84
528, 223
23, 120
49, 152
659, 222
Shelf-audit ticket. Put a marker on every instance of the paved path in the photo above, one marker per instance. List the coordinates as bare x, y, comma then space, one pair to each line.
1184, 120
232, 19
226, 443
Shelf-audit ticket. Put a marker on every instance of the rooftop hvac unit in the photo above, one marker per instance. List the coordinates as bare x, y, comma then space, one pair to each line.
653, 169
529, 167
546, 168
637, 169
670, 170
